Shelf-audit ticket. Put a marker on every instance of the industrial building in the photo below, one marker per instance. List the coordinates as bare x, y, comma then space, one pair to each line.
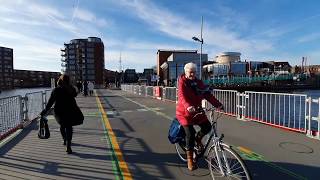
227, 64
83, 60
171, 64
28, 78
6, 68
130, 76
228, 57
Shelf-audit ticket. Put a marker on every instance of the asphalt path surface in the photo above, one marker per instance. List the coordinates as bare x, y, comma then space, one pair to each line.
141, 126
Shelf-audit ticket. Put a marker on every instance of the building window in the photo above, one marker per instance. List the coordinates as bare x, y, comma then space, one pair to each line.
90, 55
90, 66
7, 58
90, 72
90, 50
90, 60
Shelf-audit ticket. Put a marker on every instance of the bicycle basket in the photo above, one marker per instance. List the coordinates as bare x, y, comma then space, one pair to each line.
176, 132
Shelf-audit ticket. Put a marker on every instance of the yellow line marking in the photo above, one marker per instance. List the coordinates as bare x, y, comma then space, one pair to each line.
245, 150
122, 164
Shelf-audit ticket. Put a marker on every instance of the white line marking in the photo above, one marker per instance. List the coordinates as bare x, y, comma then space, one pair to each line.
145, 107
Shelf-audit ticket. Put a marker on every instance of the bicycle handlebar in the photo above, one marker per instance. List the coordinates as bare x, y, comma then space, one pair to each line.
201, 110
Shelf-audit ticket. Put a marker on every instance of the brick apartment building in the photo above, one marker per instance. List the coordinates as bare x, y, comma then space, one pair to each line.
83, 60
6, 68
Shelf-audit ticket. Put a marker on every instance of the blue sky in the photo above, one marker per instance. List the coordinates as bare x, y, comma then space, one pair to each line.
261, 30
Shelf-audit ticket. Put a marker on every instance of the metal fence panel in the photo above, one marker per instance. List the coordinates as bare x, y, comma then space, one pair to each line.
142, 90
47, 95
313, 117
229, 100
278, 109
169, 93
136, 89
10, 113
149, 90
34, 104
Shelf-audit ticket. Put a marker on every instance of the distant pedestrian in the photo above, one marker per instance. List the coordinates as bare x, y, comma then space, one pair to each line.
85, 88
66, 111
90, 87
79, 86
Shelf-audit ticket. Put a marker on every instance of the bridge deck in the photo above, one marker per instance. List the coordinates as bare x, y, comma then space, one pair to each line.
141, 149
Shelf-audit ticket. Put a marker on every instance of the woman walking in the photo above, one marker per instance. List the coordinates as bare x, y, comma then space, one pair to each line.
66, 111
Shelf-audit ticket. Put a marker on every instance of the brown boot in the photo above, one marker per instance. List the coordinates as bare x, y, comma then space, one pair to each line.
191, 164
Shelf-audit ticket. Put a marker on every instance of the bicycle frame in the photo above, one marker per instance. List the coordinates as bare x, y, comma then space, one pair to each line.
217, 143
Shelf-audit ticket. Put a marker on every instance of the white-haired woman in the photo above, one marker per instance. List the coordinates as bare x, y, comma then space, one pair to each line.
190, 97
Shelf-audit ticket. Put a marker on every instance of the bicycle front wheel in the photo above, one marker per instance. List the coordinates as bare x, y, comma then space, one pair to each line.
224, 163
181, 150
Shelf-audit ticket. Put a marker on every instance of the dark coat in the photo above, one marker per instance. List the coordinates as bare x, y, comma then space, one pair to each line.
66, 110
188, 96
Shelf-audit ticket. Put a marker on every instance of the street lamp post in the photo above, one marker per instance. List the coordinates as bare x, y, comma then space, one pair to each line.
201, 43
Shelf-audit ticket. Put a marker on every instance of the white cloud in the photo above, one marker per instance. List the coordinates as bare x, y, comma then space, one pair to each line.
88, 16
177, 26
20, 24
131, 59
84, 15
309, 37
31, 52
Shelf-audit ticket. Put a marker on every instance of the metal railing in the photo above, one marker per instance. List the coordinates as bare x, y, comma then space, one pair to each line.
313, 117
169, 93
34, 104
149, 90
10, 114
228, 98
295, 112
17, 111
278, 109
142, 91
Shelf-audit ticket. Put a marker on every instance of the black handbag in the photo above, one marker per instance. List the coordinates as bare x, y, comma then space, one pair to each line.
78, 117
44, 132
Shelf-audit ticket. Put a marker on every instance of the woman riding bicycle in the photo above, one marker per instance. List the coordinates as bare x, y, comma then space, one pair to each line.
191, 91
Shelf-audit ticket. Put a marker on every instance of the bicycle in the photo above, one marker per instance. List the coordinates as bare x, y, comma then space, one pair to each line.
222, 160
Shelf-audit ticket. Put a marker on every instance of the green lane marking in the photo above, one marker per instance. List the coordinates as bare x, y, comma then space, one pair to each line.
253, 156
115, 164
120, 163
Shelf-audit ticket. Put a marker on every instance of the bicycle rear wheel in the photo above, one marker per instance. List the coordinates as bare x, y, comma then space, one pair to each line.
181, 150
232, 165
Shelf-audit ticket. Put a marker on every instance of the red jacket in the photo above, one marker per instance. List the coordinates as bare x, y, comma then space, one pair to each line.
187, 96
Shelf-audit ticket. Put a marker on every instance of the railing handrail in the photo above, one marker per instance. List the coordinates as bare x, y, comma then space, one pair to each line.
9, 97
276, 93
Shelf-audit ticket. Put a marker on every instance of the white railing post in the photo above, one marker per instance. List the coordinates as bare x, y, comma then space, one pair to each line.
238, 104
308, 117
25, 108
318, 118
44, 100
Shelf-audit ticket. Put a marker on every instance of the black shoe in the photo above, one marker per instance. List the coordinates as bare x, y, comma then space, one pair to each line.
69, 150
64, 142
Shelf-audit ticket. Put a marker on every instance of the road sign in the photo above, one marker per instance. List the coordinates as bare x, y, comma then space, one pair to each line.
154, 78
